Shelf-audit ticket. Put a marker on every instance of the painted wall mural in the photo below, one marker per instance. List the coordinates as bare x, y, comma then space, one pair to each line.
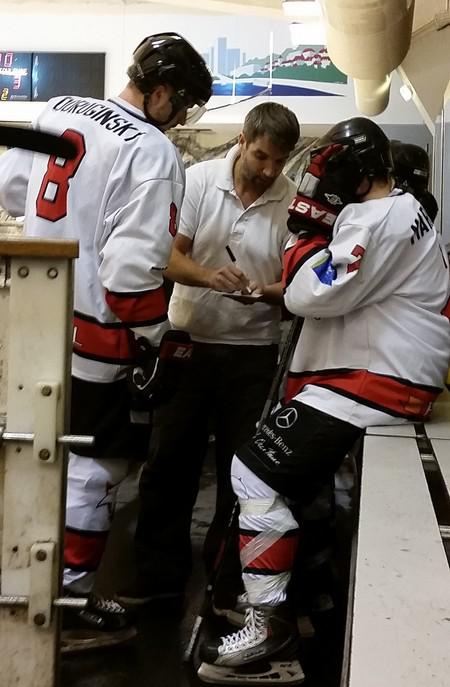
299, 71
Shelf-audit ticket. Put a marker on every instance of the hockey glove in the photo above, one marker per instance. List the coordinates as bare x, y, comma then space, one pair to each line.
323, 192
156, 378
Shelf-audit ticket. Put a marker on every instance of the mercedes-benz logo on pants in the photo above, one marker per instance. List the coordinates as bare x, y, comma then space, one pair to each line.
286, 418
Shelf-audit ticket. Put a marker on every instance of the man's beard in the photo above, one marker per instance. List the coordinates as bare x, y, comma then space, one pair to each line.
259, 182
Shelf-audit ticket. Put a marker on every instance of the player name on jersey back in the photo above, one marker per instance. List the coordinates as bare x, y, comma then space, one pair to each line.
99, 112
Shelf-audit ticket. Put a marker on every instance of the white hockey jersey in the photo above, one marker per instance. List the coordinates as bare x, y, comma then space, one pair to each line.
375, 346
119, 198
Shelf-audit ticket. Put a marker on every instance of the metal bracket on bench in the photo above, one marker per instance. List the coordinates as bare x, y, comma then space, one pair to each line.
44, 438
41, 583
40, 601
63, 602
46, 397
28, 437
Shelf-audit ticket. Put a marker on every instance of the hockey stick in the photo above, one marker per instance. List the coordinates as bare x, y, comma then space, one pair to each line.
285, 357
37, 141
271, 401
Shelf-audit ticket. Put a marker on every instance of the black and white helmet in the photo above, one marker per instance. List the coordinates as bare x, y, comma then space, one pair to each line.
168, 58
412, 174
411, 166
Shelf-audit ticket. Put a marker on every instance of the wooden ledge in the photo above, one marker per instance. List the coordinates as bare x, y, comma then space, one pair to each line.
32, 247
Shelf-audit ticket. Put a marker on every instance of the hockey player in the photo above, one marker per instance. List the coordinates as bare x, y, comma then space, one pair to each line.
412, 173
372, 285
120, 198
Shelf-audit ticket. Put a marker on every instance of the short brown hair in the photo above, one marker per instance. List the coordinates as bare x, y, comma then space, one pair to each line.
275, 121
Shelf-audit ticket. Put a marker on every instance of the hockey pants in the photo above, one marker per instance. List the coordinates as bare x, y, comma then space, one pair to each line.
92, 488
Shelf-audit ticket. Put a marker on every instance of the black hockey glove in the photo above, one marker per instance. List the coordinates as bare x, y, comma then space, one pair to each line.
323, 192
156, 377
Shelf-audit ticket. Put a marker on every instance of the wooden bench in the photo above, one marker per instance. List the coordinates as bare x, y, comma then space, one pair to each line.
398, 626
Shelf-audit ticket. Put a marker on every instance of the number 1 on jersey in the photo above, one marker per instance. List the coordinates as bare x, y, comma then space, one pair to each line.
51, 202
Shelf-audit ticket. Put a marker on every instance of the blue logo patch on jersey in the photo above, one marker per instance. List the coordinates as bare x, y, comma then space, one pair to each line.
325, 270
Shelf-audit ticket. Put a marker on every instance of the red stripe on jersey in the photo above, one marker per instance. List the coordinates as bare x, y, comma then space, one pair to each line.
84, 550
446, 310
278, 558
299, 253
140, 308
385, 393
99, 341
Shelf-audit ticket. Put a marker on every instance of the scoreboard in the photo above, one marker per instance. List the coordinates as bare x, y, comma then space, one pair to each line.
15, 75
43, 75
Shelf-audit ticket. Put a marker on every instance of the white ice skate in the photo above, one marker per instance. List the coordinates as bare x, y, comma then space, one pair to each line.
247, 657
263, 634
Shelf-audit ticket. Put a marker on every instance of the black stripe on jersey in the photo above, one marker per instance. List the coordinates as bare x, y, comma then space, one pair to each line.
365, 402
349, 370
104, 359
255, 533
120, 325
263, 571
86, 533
133, 294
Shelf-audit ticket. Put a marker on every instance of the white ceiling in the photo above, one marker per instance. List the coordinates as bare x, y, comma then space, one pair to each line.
425, 10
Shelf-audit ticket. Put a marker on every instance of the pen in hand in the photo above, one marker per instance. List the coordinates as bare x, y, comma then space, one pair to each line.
233, 259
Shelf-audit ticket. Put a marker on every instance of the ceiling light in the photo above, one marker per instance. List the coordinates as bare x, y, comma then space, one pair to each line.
406, 92
302, 9
309, 33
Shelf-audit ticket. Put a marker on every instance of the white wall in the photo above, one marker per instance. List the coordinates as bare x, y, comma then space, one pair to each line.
116, 29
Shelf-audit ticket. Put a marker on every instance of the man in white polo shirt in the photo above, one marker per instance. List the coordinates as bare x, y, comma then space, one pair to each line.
231, 238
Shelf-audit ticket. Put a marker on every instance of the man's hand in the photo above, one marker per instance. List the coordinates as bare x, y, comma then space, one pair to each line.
228, 278
157, 376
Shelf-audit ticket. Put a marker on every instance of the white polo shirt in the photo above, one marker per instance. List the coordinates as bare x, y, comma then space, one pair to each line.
213, 216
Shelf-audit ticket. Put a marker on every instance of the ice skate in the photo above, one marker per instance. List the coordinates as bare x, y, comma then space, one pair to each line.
282, 668
104, 623
262, 635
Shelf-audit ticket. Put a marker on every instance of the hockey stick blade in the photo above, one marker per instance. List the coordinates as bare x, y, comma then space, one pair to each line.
37, 141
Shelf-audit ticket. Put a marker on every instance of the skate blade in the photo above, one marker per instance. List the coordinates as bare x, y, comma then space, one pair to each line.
76, 641
284, 672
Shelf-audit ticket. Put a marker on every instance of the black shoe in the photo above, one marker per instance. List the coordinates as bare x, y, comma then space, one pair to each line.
139, 593
101, 624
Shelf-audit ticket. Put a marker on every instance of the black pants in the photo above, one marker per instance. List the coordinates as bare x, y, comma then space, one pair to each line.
103, 411
223, 392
